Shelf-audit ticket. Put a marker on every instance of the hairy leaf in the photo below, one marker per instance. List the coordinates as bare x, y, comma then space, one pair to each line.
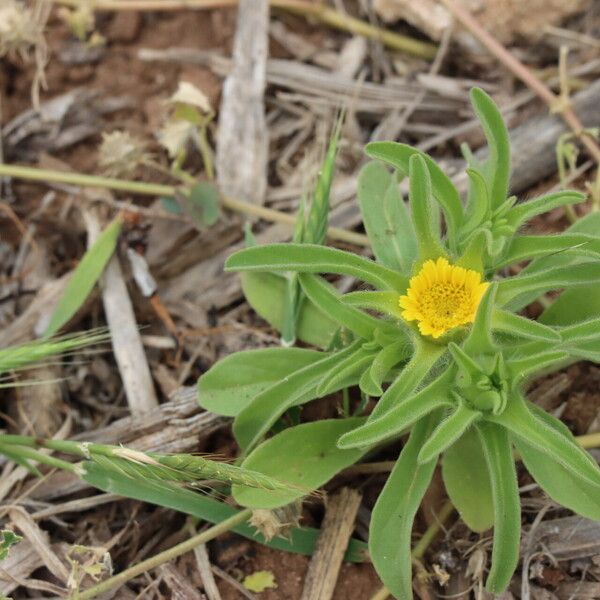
325, 297
507, 506
394, 512
497, 166
399, 156
467, 481
386, 218
229, 386
255, 420
428, 239
557, 481
265, 292
305, 456
522, 423
401, 417
308, 258
447, 432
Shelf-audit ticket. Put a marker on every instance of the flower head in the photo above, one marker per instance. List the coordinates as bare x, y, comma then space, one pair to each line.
442, 296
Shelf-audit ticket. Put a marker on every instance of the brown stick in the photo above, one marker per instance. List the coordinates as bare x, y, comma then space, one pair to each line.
328, 556
525, 75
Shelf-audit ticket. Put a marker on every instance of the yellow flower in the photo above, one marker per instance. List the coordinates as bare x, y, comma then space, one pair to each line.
442, 296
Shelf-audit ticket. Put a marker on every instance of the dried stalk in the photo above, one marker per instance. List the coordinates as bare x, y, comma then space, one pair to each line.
309, 10
154, 189
556, 103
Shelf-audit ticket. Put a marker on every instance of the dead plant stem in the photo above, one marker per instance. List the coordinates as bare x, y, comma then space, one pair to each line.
554, 102
309, 10
155, 189
164, 557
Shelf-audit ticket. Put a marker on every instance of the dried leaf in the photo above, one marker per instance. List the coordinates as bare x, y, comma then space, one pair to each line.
188, 93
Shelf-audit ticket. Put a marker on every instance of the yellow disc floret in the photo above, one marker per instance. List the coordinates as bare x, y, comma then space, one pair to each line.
442, 296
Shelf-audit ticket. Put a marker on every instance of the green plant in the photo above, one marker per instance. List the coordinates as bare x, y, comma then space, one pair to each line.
439, 341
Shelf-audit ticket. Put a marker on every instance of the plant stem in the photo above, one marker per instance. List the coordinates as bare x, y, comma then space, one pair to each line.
308, 10
166, 556
525, 75
25, 452
424, 543
155, 189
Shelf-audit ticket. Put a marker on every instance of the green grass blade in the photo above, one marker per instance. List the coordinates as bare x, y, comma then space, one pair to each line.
85, 277
300, 541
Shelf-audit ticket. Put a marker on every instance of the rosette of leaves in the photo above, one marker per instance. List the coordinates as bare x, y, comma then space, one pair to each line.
440, 342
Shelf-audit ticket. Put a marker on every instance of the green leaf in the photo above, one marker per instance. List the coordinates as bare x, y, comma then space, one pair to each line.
573, 305
557, 481
399, 156
383, 302
550, 279
507, 506
428, 239
467, 481
527, 247
265, 292
305, 456
386, 218
229, 386
447, 432
8, 538
202, 204
390, 531
326, 298
255, 420
388, 357
84, 277
523, 368
508, 322
481, 204
350, 369
479, 340
522, 423
398, 419
581, 303
525, 211
308, 258
300, 540
423, 359
497, 166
